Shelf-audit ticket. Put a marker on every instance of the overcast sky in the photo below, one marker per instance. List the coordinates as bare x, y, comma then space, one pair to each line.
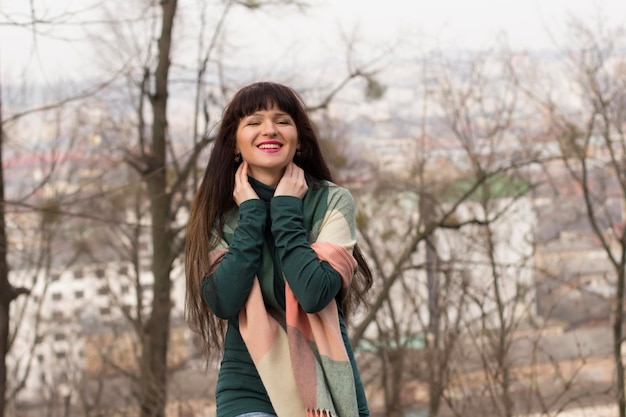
526, 24
474, 23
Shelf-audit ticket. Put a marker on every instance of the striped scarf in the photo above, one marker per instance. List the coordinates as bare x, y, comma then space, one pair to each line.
302, 361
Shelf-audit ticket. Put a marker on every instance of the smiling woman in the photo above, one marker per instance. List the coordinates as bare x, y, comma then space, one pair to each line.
272, 265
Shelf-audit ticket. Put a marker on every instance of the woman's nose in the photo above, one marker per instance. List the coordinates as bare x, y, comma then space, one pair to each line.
269, 128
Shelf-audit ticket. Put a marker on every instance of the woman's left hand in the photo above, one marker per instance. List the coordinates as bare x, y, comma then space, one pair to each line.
292, 183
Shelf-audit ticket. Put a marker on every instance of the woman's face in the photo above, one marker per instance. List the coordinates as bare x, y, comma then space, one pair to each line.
267, 141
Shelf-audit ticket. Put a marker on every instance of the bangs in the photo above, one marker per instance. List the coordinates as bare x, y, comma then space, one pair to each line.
263, 96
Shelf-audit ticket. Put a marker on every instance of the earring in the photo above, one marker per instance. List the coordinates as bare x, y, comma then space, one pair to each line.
298, 152
237, 157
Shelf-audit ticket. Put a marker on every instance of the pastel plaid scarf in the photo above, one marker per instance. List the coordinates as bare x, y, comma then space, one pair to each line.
302, 361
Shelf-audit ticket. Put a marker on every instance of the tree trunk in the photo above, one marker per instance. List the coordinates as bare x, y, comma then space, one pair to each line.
618, 323
435, 390
6, 291
153, 379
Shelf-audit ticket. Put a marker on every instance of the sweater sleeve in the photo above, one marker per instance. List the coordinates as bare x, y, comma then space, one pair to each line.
226, 290
314, 283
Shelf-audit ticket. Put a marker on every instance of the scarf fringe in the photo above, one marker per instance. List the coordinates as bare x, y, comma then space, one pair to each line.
319, 413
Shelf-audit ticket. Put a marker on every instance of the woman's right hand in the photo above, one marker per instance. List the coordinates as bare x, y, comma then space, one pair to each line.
243, 190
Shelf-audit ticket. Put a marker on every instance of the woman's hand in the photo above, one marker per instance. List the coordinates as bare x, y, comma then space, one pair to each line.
292, 183
243, 190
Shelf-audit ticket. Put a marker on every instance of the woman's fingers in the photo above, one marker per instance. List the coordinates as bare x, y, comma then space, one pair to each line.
293, 182
243, 190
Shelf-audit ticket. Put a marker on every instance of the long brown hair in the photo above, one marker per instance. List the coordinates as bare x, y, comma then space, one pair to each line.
214, 199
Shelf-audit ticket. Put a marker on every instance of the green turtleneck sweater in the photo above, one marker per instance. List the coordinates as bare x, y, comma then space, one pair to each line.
270, 238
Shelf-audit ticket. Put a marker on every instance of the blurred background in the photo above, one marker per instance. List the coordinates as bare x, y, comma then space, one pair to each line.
484, 143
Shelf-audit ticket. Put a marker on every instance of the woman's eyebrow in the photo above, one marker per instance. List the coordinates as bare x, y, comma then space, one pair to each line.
276, 114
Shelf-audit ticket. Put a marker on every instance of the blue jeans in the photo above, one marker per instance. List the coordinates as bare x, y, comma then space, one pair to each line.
257, 414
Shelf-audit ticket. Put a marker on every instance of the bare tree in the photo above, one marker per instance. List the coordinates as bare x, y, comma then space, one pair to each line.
165, 171
8, 292
587, 118
460, 270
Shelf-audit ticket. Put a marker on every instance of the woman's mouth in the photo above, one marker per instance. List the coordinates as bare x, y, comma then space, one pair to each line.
270, 146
